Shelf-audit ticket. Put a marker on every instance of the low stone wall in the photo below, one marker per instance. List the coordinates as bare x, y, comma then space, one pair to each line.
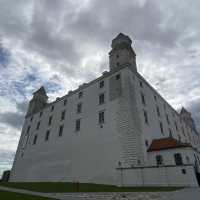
183, 175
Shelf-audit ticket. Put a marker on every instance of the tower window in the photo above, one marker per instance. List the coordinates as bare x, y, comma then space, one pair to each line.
31, 118
80, 94
78, 125
145, 116
52, 108
47, 135
65, 102
117, 76
155, 97
167, 118
101, 98
63, 115
41, 114
143, 99
50, 120
117, 64
158, 111
60, 130
141, 85
79, 108
176, 126
161, 128
170, 133
117, 56
28, 129
101, 117
101, 84
38, 126
35, 140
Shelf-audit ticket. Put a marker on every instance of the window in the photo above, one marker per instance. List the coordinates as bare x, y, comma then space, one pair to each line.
31, 118
28, 129
176, 126
155, 97
164, 106
117, 76
38, 126
159, 160
141, 85
158, 111
41, 114
101, 98
60, 130
52, 108
178, 159
78, 125
161, 128
183, 171
170, 132
146, 143
101, 117
79, 108
34, 139
47, 135
80, 94
143, 99
63, 115
117, 56
65, 102
167, 118
145, 116
117, 63
101, 84
50, 120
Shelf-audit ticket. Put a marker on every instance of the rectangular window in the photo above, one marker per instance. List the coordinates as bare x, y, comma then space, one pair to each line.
78, 125
31, 118
38, 126
161, 128
35, 140
178, 159
47, 135
80, 94
143, 99
117, 76
101, 98
28, 129
101, 117
159, 160
65, 102
167, 118
50, 120
79, 108
158, 111
170, 133
101, 84
52, 108
41, 114
63, 115
60, 130
155, 97
176, 126
141, 85
145, 117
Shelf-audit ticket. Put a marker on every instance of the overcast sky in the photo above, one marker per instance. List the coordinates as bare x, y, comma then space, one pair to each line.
61, 44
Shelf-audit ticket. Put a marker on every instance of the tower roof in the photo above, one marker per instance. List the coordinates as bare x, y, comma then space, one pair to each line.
121, 38
40, 91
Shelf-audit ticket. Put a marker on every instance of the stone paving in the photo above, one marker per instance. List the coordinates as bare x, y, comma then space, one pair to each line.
185, 194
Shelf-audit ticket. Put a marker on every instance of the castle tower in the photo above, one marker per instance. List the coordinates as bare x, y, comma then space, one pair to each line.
38, 101
187, 117
122, 53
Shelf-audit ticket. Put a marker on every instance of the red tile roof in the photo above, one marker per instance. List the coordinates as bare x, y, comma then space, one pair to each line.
166, 143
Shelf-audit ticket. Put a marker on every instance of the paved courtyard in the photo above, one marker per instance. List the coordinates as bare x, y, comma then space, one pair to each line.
185, 194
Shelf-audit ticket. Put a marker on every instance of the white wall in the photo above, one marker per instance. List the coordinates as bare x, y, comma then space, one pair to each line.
157, 176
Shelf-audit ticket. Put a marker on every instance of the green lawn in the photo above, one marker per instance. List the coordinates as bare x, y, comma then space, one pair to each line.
83, 187
4, 195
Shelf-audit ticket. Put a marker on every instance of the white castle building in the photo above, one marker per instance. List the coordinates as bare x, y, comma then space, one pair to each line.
116, 129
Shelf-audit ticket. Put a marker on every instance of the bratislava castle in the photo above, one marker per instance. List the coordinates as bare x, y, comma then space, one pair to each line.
116, 129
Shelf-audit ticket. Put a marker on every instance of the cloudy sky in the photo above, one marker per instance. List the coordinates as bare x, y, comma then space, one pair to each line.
61, 44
